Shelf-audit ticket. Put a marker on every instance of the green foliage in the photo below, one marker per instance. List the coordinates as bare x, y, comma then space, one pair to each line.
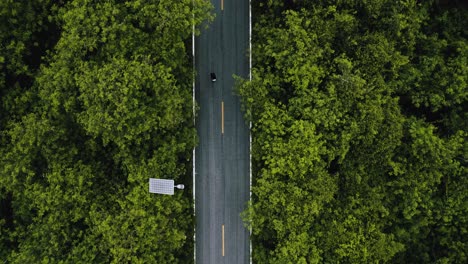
90, 114
126, 100
24, 26
358, 132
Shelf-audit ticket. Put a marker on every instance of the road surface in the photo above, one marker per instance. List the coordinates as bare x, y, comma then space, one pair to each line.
222, 181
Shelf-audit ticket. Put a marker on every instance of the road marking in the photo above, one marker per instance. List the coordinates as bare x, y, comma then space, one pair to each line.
222, 4
222, 117
222, 234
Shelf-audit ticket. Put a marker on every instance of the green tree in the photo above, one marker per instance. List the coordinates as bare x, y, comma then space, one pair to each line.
109, 106
382, 132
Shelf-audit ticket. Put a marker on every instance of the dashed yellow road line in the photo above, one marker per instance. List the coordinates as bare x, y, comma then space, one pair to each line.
222, 234
222, 117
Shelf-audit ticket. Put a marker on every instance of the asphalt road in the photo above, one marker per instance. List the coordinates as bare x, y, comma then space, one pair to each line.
222, 157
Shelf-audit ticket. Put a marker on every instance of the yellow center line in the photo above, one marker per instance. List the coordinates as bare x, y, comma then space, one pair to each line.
222, 117
222, 4
222, 234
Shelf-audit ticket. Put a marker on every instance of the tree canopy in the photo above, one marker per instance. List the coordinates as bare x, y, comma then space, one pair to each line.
359, 127
96, 98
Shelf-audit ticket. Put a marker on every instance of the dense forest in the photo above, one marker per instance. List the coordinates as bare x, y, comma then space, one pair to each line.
96, 97
359, 127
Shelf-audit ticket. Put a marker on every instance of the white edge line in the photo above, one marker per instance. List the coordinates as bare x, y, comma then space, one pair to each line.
193, 151
250, 122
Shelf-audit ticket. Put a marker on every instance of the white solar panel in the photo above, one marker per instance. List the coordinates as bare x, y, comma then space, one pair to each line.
161, 186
